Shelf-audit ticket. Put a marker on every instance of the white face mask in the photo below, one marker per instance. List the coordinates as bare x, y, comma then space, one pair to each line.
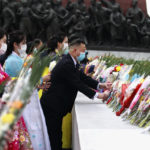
66, 46
3, 48
22, 51
24, 47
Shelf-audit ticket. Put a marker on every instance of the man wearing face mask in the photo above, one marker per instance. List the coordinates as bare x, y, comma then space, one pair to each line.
66, 81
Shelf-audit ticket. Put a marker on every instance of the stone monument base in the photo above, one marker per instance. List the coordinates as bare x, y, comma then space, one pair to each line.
118, 48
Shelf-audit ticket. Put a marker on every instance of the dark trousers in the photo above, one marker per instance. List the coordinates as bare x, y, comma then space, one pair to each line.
54, 127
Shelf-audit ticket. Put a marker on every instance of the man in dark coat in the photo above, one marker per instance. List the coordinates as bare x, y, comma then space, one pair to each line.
66, 81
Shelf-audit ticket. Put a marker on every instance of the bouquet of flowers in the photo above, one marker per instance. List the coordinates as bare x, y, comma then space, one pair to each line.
135, 102
129, 93
143, 109
18, 92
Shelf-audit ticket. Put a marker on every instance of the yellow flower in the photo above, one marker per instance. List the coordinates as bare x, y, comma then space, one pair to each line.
142, 80
118, 68
29, 57
141, 99
14, 78
90, 58
22, 138
25, 64
12, 110
86, 69
57, 52
8, 118
148, 101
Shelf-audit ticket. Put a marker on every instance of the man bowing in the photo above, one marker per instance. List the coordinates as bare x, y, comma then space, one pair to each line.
66, 81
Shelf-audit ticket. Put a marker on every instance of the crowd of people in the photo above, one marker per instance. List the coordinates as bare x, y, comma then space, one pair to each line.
48, 28
40, 27
40, 126
103, 22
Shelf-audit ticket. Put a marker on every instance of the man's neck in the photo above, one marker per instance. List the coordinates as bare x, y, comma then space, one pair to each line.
73, 58
72, 55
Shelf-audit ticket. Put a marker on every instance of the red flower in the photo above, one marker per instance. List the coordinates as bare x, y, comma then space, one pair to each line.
124, 87
109, 100
115, 69
120, 111
121, 64
128, 101
111, 72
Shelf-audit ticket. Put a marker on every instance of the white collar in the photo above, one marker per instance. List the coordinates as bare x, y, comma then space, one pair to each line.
14, 53
74, 61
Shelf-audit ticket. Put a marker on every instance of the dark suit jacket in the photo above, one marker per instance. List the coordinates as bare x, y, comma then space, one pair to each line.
66, 81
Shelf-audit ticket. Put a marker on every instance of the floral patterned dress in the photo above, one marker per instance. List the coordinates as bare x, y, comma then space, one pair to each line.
21, 139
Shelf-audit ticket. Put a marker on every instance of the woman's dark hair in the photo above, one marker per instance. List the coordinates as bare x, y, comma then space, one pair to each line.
2, 33
17, 36
36, 42
14, 37
53, 41
31, 45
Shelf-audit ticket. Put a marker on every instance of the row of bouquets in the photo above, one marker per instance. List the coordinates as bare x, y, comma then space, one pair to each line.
130, 95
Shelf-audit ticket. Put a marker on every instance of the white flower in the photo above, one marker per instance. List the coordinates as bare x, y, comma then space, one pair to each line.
5, 96
52, 65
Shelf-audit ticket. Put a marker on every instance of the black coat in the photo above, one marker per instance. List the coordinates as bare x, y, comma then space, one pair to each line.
66, 81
